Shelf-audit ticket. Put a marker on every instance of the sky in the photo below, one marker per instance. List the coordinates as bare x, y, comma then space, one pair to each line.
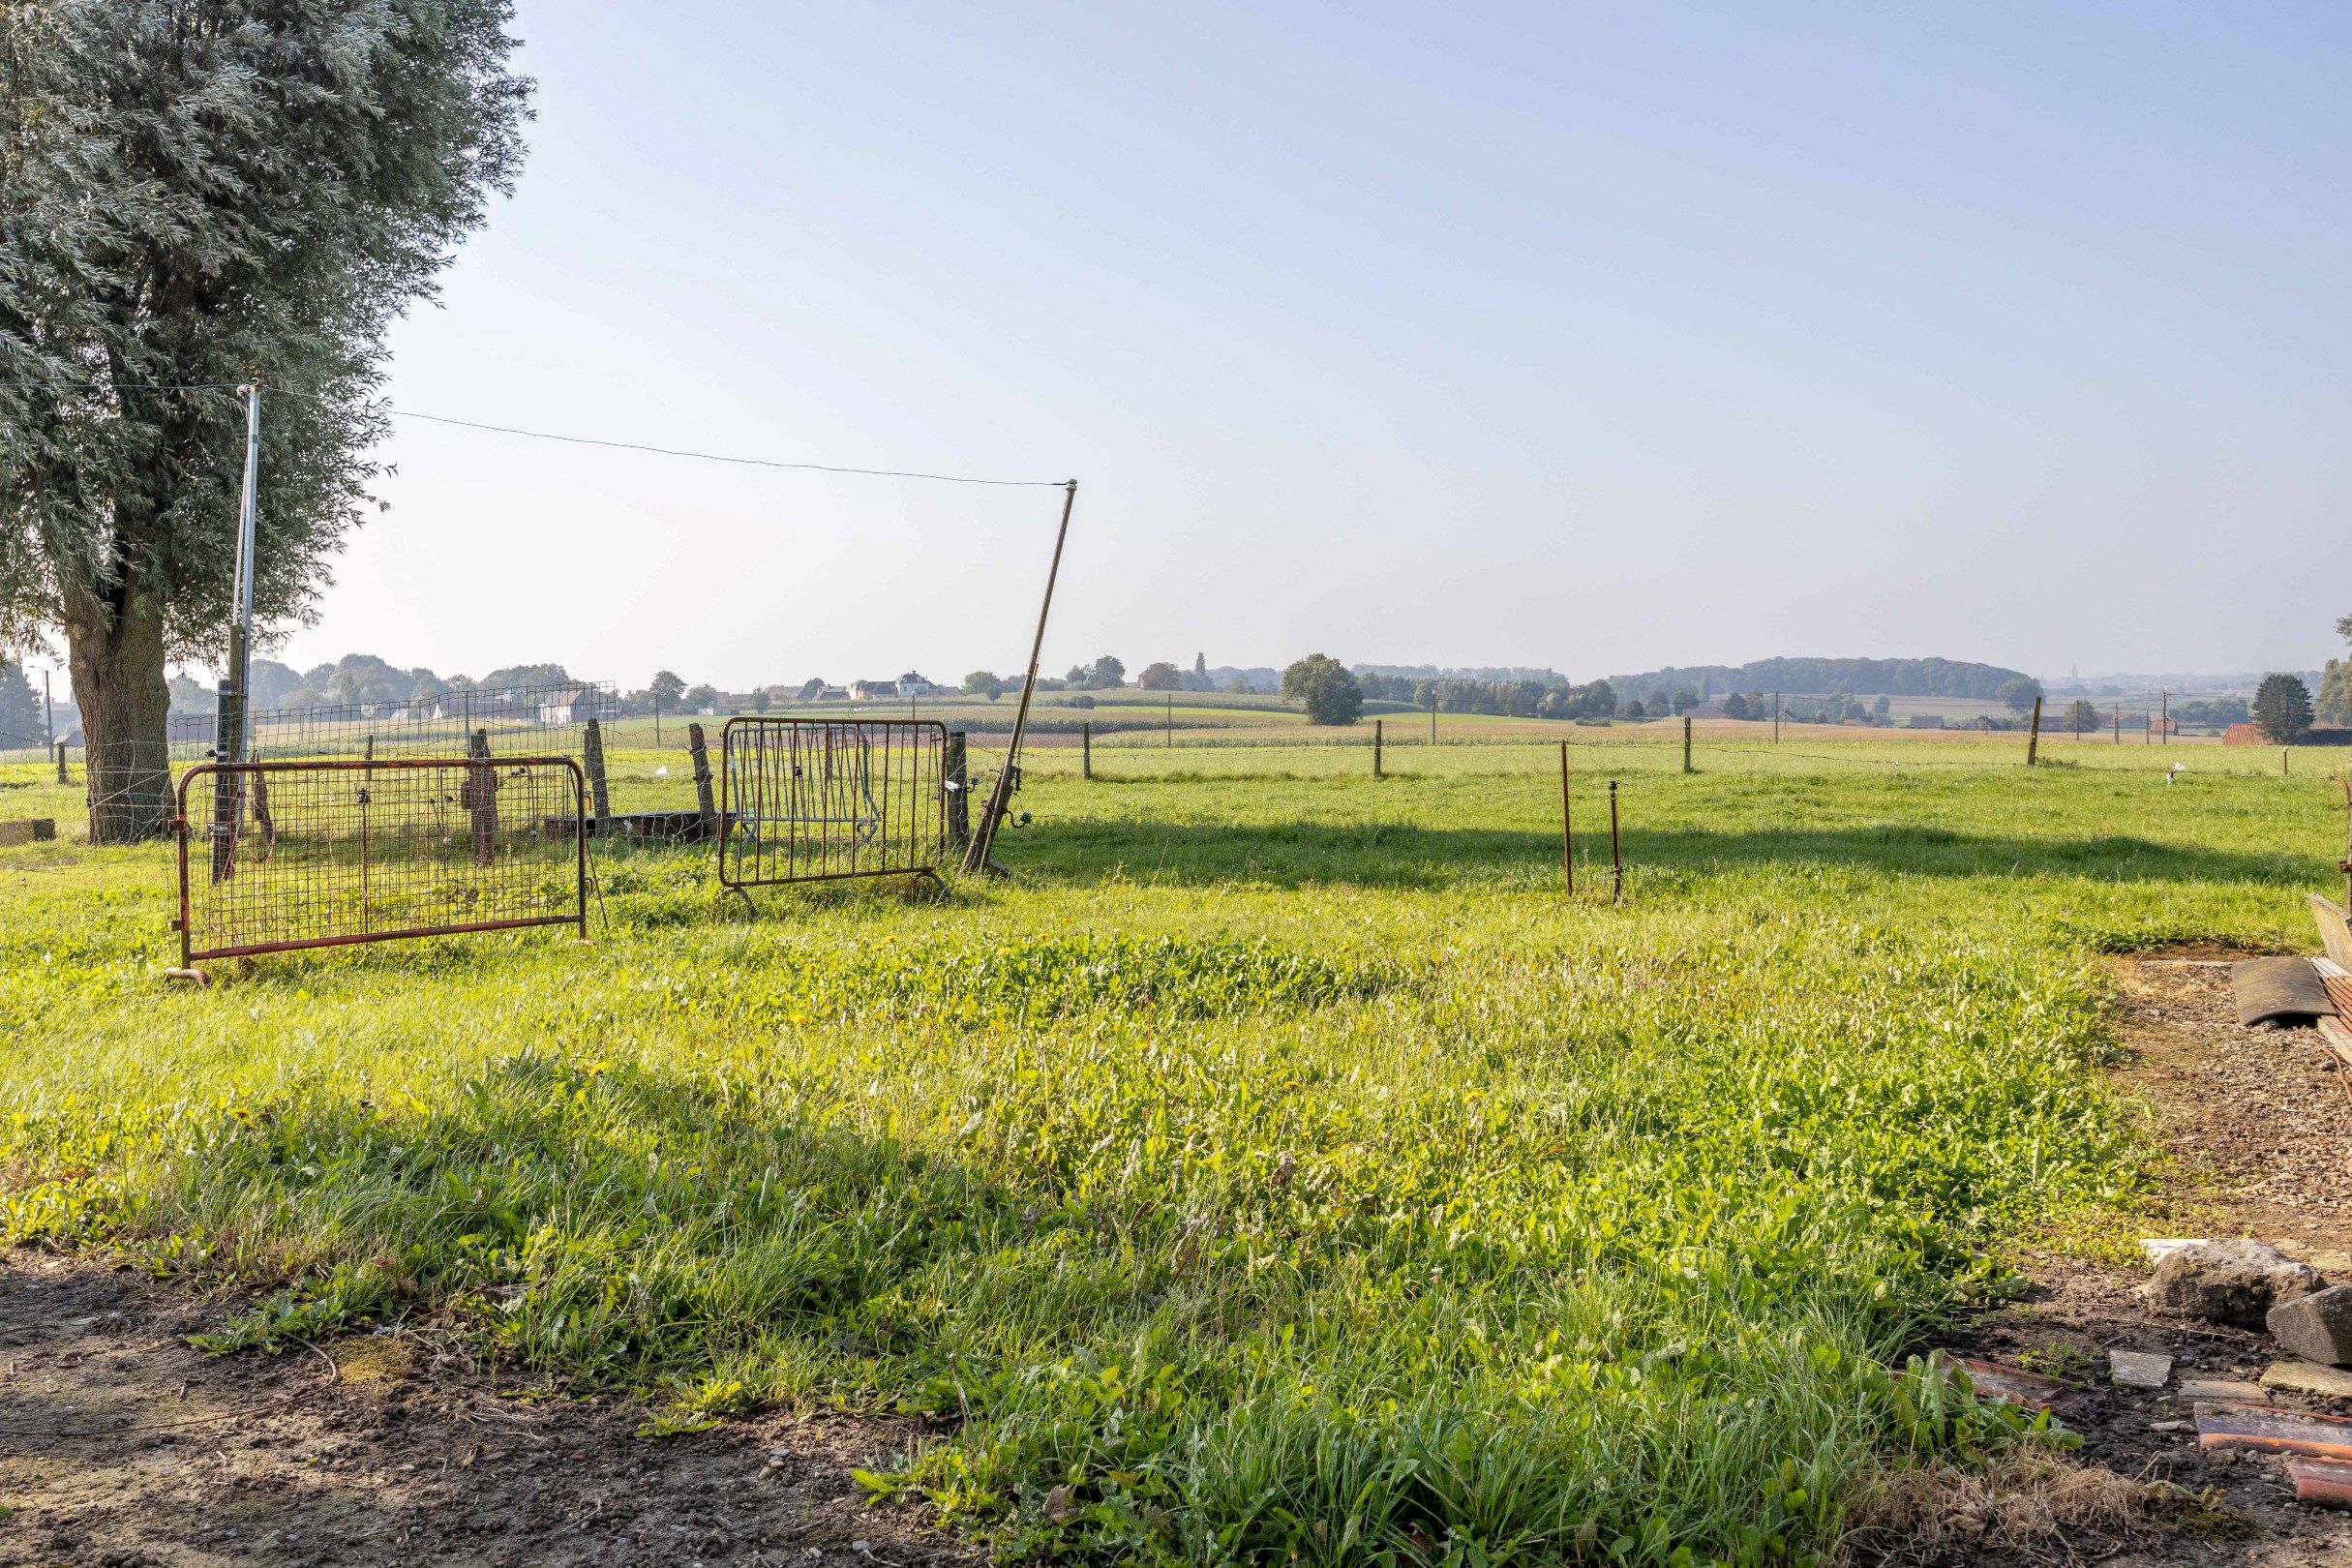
1595, 337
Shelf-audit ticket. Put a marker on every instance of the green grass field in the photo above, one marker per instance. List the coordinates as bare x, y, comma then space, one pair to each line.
1281, 1167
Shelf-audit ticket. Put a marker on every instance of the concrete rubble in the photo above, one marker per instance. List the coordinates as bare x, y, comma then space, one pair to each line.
2229, 1282
2317, 1326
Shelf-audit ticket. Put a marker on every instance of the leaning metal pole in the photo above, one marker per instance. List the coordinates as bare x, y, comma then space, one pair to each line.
1000, 795
229, 736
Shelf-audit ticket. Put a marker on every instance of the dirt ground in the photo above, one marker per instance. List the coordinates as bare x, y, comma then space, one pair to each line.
121, 1447
2261, 1128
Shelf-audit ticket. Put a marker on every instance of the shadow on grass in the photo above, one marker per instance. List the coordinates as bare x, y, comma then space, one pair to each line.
1389, 855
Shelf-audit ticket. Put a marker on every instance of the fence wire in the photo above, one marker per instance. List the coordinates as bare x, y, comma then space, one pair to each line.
816, 800
282, 856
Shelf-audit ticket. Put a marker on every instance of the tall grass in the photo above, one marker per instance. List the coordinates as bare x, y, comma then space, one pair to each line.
1282, 1169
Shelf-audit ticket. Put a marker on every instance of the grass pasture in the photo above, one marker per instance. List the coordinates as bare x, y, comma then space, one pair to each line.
1280, 1169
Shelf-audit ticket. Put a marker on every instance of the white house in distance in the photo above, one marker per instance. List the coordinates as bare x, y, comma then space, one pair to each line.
570, 705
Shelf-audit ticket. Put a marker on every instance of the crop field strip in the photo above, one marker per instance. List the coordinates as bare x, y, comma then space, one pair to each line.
1282, 1166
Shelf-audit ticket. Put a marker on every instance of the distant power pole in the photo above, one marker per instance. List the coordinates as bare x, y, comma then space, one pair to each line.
1776, 718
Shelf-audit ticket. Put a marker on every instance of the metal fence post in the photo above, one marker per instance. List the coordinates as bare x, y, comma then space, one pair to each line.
1567, 829
1617, 854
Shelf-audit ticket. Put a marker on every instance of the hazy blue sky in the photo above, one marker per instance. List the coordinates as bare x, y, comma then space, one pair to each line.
1585, 336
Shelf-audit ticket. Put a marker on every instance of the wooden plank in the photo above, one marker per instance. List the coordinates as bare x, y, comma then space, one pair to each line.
2339, 992
2339, 1039
2333, 934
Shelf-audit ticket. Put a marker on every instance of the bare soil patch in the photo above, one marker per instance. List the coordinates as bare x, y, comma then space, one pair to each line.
2260, 1127
121, 1447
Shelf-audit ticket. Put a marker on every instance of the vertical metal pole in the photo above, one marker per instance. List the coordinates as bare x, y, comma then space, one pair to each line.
1171, 724
2165, 717
49, 714
1567, 829
1000, 795
1617, 854
2033, 735
1433, 712
229, 724
233, 735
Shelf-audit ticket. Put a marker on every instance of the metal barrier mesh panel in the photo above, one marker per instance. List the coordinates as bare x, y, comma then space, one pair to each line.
276, 856
812, 799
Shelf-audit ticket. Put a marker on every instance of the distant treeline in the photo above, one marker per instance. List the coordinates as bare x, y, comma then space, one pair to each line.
1511, 699
1892, 678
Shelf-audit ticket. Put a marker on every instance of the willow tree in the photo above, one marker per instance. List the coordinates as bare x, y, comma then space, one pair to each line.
196, 194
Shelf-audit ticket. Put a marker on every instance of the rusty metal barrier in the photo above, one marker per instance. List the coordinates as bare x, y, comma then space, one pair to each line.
820, 800
325, 853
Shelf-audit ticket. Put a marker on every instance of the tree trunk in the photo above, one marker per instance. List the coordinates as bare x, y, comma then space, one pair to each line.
119, 683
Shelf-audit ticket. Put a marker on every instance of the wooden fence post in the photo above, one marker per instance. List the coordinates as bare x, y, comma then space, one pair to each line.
1377, 748
706, 809
2033, 735
592, 750
480, 796
61, 768
1086, 748
1687, 742
959, 790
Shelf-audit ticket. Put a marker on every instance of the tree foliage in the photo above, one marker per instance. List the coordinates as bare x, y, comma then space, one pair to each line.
983, 683
1102, 674
196, 194
2019, 693
21, 724
2335, 703
1161, 677
2282, 708
1326, 688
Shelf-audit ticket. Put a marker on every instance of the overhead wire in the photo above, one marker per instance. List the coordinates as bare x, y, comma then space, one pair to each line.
578, 441
720, 457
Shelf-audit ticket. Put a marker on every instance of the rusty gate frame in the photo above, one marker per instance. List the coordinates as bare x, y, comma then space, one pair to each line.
190, 956
728, 815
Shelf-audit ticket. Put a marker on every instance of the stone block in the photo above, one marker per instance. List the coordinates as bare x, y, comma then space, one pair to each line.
2316, 1326
2229, 1282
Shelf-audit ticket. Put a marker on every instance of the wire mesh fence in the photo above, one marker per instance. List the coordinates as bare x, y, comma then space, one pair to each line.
126, 785
276, 856
818, 799
539, 719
